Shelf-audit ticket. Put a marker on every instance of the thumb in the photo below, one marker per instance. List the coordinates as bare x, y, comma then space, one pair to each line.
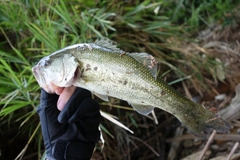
65, 96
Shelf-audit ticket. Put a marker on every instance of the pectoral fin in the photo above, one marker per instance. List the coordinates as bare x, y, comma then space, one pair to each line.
142, 109
108, 44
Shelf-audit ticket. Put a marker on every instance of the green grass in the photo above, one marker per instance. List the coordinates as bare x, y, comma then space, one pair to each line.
30, 30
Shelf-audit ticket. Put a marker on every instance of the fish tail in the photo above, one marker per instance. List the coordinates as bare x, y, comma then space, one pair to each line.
203, 129
218, 124
202, 124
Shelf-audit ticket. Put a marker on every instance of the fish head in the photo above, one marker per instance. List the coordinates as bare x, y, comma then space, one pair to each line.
57, 70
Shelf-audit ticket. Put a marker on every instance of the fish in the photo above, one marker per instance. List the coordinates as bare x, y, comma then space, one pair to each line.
107, 71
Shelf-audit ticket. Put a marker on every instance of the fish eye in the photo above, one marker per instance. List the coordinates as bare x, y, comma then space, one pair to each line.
46, 63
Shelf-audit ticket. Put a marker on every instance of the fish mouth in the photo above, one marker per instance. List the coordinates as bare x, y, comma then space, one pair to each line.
41, 80
50, 87
38, 75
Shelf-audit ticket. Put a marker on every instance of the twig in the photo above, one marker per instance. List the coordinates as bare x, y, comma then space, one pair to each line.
207, 144
154, 117
188, 94
108, 116
233, 150
155, 152
175, 146
224, 103
223, 157
235, 123
21, 154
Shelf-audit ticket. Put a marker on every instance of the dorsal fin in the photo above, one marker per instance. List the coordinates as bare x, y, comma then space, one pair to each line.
107, 44
147, 60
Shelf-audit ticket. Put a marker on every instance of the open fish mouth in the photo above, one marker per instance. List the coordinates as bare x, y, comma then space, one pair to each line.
49, 86
37, 74
40, 78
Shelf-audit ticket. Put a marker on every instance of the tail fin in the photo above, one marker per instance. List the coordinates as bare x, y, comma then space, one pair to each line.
201, 128
218, 124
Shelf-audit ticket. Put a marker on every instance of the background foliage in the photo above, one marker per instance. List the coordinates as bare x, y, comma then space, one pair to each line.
30, 30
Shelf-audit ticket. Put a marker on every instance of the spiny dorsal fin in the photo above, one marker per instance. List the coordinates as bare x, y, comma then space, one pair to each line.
108, 44
147, 60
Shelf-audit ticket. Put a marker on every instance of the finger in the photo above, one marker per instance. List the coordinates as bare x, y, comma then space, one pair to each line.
65, 96
59, 90
50, 88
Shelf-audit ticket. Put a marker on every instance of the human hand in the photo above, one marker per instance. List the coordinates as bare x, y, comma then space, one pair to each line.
73, 132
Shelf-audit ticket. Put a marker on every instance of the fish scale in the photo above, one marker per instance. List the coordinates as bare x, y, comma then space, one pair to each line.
108, 71
122, 71
108, 76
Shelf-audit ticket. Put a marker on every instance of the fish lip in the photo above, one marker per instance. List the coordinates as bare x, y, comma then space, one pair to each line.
35, 71
42, 81
38, 75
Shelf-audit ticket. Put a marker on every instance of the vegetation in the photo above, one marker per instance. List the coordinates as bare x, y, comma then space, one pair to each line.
166, 29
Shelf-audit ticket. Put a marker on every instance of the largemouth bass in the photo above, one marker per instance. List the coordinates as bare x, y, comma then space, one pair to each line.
105, 70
